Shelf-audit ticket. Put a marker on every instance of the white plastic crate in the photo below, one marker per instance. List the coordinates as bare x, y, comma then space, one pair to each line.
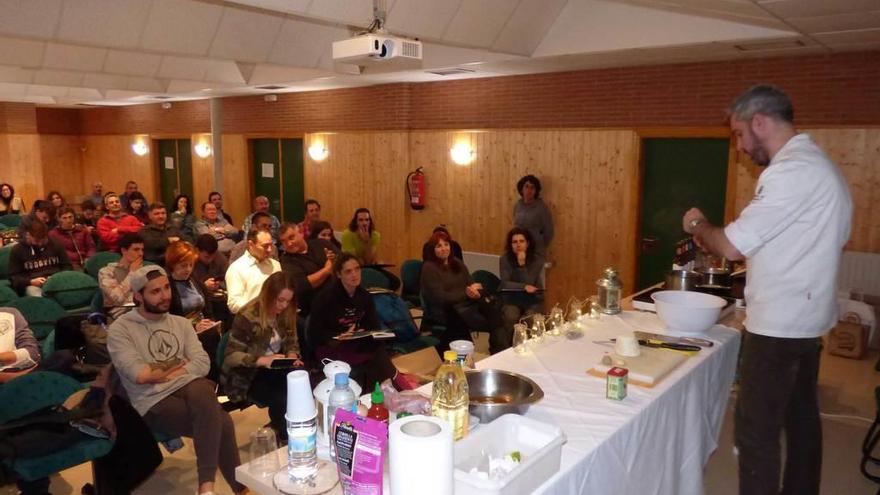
539, 444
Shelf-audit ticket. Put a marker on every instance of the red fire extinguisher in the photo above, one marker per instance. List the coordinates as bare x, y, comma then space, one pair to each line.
416, 189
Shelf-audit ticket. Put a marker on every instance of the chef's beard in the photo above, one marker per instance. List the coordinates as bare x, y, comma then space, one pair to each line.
758, 154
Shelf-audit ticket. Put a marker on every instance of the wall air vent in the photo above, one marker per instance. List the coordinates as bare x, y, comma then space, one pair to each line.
270, 87
451, 72
161, 97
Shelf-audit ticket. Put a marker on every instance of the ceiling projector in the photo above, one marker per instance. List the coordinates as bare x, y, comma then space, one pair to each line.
373, 47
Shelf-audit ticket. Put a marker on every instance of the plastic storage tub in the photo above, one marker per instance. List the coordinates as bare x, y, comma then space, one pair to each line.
539, 444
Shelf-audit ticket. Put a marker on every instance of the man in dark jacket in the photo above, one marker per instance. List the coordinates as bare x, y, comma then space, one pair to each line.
158, 234
32, 262
306, 260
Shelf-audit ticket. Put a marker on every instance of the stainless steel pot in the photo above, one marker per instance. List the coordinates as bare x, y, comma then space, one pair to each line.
715, 277
683, 280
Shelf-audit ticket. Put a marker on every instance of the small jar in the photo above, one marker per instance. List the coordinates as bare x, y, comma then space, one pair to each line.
609, 291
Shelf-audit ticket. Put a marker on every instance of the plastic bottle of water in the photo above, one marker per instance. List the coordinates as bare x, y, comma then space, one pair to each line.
449, 398
302, 453
341, 397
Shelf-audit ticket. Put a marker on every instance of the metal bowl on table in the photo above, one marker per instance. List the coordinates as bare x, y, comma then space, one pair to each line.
683, 280
497, 392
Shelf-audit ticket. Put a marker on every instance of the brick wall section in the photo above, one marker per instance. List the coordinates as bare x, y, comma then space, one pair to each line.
18, 118
184, 118
828, 90
58, 121
382, 107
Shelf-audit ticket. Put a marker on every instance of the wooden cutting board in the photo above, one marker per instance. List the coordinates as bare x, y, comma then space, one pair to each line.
646, 370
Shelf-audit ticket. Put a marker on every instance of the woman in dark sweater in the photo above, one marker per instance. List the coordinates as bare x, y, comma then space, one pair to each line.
188, 299
453, 298
522, 280
342, 308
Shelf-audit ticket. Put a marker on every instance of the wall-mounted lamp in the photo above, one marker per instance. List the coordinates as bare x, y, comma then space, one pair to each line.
318, 151
140, 148
203, 150
462, 153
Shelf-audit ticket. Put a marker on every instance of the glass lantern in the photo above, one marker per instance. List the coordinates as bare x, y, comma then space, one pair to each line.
609, 291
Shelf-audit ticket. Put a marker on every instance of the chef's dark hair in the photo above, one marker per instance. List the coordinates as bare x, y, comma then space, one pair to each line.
529, 178
765, 99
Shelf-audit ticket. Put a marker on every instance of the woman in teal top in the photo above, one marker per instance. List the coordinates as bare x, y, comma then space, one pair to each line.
362, 240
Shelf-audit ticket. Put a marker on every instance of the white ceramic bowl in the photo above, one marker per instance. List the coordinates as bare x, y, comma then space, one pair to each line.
687, 312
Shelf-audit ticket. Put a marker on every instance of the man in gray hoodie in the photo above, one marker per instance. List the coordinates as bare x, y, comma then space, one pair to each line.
162, 366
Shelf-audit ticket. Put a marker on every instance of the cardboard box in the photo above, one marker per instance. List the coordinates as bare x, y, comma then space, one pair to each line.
422, 363
849, 340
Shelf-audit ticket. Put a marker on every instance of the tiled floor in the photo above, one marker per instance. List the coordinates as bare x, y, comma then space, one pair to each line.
846, 387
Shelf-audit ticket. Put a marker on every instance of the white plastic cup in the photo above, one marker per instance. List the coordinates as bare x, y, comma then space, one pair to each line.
627, 346
464, 349
300, 402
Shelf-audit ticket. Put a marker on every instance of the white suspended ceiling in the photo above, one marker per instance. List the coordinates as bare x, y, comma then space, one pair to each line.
69, 52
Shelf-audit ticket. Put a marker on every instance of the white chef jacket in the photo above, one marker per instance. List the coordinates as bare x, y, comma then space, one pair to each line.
792, 234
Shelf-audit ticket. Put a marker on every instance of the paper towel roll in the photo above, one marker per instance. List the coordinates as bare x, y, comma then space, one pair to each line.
421, 454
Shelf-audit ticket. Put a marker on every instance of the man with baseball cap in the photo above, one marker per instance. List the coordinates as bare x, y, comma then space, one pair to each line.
162, 365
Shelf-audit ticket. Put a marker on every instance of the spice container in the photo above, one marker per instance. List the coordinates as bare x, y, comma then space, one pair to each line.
615, 387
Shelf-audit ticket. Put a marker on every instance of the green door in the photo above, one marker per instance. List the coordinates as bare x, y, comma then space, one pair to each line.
678, 174
278, 175
175, 170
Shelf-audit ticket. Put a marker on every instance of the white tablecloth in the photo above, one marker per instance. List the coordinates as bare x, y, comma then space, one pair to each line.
656, 441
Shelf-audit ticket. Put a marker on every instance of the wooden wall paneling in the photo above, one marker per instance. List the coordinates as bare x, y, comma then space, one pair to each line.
236, 177
109, 158
62, 160
203, 173
22, 166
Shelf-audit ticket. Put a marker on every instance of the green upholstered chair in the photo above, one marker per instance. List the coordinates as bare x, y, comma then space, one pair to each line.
4, 261
372, 278
34, 392
11, 220
491, 283
72, 290
41, 314
100, 260
410, 274
47, 347
7, 295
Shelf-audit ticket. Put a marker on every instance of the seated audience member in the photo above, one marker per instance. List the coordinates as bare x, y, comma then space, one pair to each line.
217, 199
263, 331
246, 275
162, 366
323, 230
24, 355
210, 272
182, 217
454, 299
338, 311
157, 234
453, 244
42, 211
362, 240
9, 202
115, 223
310, 261
189, 300
76, 239
57, 201
34, 260
261, 221
521, 281
313, 215
137, 207
214, 224
114, 280
97, 196
131, 187
89, 216
261, 205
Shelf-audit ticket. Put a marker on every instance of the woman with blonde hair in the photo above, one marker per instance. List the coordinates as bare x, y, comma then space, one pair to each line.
263, 347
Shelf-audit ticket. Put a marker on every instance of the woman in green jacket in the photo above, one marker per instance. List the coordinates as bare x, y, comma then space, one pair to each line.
264, 331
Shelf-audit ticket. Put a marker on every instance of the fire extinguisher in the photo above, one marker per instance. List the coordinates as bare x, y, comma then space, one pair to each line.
416, 189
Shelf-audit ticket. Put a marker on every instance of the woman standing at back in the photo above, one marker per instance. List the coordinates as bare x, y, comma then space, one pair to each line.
532, 214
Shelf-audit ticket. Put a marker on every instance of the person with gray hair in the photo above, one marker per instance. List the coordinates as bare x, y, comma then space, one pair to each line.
791, 234
261, 205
